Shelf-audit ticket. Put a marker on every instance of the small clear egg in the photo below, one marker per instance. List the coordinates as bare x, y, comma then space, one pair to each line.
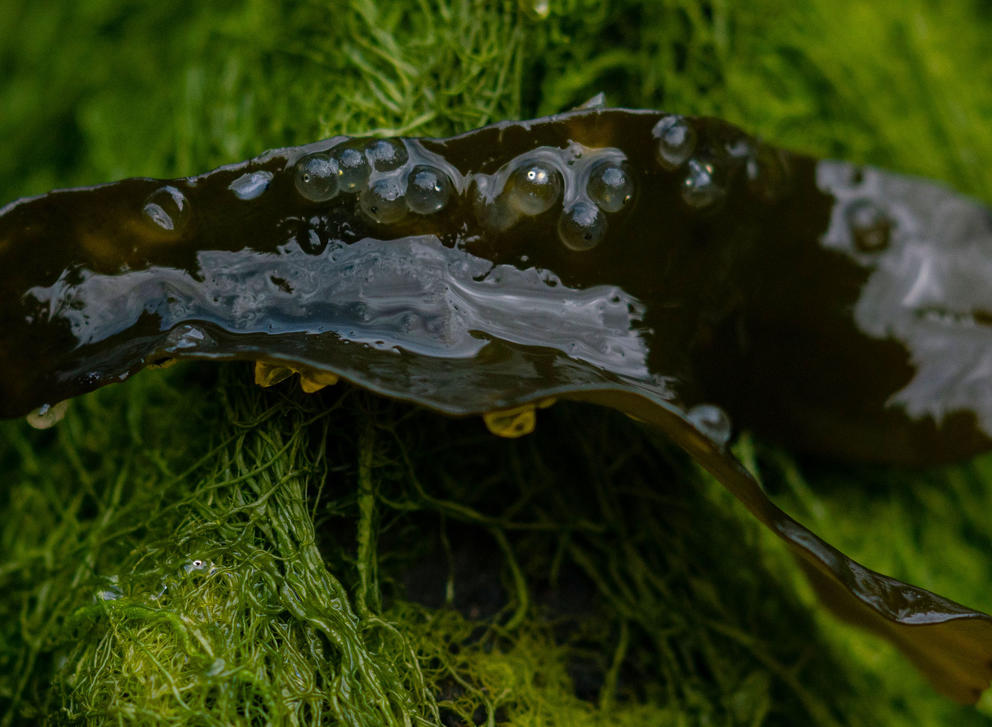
676, 141
384, 200
353, 169
871, 227
611, 186
317, 177
712, 422
428, 189
533, 188
702, 187
386, 154
582, 226
167, 209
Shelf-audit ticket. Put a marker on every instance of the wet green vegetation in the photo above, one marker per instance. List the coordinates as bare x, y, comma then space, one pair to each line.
189, 549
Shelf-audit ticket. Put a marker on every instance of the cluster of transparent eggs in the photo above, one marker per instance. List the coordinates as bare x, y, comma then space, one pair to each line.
707, 165
391, 177
584, 185
395, 177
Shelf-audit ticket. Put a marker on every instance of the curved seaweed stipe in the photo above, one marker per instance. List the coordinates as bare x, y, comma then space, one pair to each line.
653, 263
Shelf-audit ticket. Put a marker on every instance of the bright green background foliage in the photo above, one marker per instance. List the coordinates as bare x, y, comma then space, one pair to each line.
189, 549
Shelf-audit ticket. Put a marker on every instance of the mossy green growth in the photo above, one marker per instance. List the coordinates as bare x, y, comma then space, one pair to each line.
188, 549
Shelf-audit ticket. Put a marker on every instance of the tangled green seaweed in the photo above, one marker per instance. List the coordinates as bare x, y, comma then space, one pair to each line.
188, 549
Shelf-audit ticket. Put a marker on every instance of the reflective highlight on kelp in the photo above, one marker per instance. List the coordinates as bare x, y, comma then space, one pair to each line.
670, 267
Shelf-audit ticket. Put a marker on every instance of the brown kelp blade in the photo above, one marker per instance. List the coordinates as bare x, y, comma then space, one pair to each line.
953, 649
949, 643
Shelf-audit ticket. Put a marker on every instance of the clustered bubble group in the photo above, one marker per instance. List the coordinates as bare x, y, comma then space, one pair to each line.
587, 185
676, 142
392, 178
395, 178
707, 164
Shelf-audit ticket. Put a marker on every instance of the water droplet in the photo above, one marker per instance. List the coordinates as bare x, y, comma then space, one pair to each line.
198, 565
611, 186
311, 242
871, 227
353, 169
167, 209
385, 200
47, 415
702, 187
317, 177
250, 185
676, 141
538, 9
387, 154
428, 189
712, 422
534, 188
582, 226
112, 592
186, 337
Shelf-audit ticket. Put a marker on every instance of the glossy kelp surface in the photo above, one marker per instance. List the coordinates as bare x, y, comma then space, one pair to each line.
669, 267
